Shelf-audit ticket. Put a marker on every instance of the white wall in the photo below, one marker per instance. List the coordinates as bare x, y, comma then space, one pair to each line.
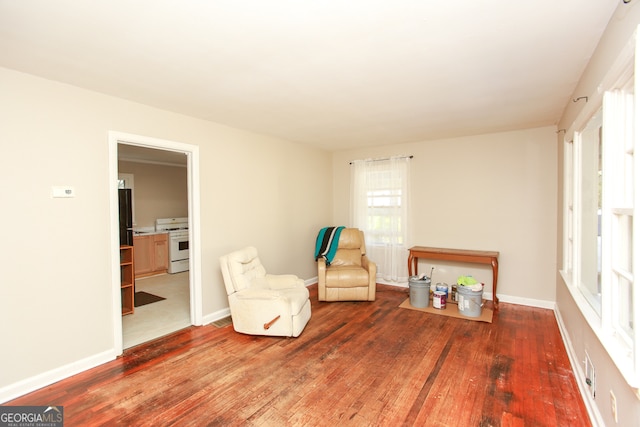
581, 337
488, 192
55, 291
160, 191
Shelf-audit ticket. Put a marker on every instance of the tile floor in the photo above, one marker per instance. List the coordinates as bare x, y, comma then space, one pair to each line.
159, 318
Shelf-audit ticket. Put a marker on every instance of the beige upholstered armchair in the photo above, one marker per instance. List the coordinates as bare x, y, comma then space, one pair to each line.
261, 303
351, 276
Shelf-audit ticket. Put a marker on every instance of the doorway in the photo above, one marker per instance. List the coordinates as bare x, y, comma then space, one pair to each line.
193, 276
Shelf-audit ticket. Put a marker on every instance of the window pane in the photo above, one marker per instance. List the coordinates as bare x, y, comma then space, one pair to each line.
623, 243
384, 201
568, 208
590, 210
622, 260
625, 307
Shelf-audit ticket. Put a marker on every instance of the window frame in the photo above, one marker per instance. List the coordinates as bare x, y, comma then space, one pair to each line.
624, 353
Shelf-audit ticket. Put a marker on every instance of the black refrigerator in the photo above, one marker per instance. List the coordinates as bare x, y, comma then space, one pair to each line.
126, 218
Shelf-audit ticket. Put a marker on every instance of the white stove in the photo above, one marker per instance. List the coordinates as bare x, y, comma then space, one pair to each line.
178, 230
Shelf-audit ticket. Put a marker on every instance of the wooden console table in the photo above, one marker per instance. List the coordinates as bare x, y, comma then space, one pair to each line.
460, 255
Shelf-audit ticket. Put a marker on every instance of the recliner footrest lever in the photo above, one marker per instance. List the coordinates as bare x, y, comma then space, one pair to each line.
269, 324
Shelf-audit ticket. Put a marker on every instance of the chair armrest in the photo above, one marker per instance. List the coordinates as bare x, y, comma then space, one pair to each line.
284, 281
322, 271
257, 294
367, 264
372, 269
322, 279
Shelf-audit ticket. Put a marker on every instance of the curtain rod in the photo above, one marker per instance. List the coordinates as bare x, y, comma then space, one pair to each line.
385, 158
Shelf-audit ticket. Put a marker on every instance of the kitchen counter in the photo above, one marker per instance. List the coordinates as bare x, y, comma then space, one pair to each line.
147, 231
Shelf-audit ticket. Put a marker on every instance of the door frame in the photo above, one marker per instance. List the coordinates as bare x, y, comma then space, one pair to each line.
193, 189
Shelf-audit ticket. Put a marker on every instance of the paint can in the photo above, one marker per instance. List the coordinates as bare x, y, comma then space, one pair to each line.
419, 291
443, 287
469, 302
439, 300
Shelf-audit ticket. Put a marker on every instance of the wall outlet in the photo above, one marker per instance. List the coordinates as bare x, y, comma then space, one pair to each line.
589, 375
614, 406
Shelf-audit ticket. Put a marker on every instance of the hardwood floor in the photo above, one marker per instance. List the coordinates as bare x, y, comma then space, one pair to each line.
356, 363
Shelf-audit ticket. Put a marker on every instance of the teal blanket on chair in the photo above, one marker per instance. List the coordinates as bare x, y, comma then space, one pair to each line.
327, 243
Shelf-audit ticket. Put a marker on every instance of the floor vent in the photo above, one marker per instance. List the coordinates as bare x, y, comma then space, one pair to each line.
222, 322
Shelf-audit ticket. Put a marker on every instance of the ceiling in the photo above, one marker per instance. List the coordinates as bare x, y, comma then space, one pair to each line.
335, 74
138, 154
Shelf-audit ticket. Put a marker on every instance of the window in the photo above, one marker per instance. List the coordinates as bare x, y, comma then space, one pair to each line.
618, 209
588, 146
601, 185
380, 207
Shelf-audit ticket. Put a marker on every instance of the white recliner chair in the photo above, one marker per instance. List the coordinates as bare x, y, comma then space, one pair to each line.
261, 303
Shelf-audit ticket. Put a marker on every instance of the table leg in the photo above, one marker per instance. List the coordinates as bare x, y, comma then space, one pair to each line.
494, 267
409, 262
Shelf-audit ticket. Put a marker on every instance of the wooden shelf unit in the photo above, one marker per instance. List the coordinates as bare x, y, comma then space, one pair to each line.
127, 279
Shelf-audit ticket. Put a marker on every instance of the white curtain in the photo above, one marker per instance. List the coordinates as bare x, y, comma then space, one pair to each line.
380, 207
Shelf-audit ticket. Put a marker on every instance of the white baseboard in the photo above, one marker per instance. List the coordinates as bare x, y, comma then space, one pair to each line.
578, 372
398, 284
530, 302
44, 379
220, 314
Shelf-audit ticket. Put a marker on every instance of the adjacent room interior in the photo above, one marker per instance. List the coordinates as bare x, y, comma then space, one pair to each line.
157, 179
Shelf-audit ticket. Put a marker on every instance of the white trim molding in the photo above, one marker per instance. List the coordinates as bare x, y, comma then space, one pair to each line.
195, 256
